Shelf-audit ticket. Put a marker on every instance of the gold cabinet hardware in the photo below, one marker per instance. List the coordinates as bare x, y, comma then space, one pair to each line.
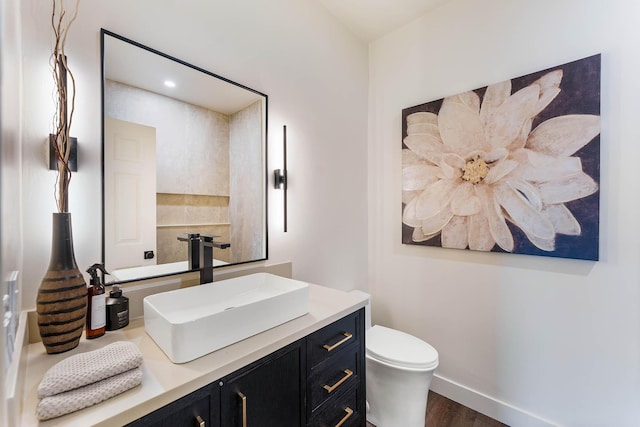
200, 421
347, 337
349, 412
330, 388
243, 398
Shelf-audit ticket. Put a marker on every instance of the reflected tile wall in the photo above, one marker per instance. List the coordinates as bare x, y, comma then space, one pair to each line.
191, 141
178, 214
247, 183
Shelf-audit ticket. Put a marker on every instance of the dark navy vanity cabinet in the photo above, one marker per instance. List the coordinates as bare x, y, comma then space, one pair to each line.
336, 373
200, 408
316, 381
269, 392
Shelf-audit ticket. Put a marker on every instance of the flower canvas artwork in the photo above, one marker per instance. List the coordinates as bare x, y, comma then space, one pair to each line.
511, 167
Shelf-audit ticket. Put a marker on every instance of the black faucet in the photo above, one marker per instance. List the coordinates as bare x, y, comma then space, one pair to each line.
193, 240
201, 254
206, 256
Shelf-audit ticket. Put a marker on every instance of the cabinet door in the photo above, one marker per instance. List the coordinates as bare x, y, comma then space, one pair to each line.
197, 409
268, 393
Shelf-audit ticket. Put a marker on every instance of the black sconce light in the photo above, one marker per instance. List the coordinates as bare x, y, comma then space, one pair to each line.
72, 163
53, 161
279, 179
280, 175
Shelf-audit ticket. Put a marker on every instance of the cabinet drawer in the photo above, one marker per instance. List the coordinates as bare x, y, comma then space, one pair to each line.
332, 339
331, 378
199, 406
343, 409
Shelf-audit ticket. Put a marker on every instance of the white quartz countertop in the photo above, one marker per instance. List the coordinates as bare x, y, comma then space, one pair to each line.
163, 381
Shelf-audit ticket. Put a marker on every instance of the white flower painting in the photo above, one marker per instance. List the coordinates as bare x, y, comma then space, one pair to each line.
511, 167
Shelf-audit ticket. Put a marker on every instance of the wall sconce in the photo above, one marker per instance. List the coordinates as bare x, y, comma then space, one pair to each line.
280, 175
279, 179
50, 151
53, 159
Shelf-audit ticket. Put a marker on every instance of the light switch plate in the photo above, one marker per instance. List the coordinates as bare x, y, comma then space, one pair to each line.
10, 297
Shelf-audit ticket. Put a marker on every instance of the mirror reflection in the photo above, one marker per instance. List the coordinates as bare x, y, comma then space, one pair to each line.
184, 154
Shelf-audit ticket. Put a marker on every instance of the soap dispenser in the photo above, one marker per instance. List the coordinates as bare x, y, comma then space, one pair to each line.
117, 309
96, 315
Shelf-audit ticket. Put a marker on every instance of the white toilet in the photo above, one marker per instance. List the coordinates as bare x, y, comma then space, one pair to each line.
399, 369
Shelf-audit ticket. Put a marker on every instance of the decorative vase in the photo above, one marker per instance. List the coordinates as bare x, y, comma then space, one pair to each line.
62, 296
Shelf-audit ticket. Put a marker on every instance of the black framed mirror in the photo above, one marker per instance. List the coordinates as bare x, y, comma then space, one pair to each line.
183, 152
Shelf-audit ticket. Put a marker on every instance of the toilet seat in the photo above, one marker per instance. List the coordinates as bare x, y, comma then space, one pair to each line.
400, 349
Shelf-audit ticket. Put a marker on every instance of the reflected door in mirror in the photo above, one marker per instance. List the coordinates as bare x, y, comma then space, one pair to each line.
130, 192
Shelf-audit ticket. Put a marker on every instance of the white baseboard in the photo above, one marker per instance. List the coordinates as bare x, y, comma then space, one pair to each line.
487, 405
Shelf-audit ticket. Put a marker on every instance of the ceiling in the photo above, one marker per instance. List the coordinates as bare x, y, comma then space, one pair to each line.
128, 64
138, 67
371, 19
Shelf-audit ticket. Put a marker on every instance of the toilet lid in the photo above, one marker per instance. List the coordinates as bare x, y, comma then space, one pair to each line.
400, 349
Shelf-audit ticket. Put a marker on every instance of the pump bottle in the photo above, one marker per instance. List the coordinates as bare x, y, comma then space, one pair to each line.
96, 314
117, 309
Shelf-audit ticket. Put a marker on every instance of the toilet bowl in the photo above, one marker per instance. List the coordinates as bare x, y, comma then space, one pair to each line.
399, 369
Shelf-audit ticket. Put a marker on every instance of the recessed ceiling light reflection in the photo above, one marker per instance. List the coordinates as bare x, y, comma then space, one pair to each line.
169, 83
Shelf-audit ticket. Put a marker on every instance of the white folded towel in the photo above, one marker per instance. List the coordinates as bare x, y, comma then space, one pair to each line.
74, 400
87, 368
88, 378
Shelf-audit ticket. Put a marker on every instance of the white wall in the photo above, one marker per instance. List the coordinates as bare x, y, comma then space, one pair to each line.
523, 338
314, 72
10, 186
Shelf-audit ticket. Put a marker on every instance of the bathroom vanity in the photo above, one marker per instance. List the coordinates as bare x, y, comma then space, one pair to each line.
316, 381
309, 371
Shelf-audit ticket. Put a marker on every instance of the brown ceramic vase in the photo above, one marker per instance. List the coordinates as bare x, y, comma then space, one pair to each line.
62, 296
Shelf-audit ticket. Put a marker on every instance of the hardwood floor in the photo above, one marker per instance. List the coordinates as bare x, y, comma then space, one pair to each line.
442, 412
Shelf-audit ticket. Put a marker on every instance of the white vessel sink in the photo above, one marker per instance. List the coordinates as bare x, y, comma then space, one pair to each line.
191, 322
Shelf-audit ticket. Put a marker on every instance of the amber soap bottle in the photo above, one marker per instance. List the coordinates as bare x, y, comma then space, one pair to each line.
96, 313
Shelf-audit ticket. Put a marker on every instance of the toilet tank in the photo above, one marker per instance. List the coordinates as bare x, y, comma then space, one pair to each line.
367, 308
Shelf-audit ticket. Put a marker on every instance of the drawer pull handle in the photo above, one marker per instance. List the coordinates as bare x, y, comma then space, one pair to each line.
349, 412
243, 398
200, 421
347, 337
330, 388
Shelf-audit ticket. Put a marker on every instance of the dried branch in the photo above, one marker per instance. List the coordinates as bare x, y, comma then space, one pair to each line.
63, 117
